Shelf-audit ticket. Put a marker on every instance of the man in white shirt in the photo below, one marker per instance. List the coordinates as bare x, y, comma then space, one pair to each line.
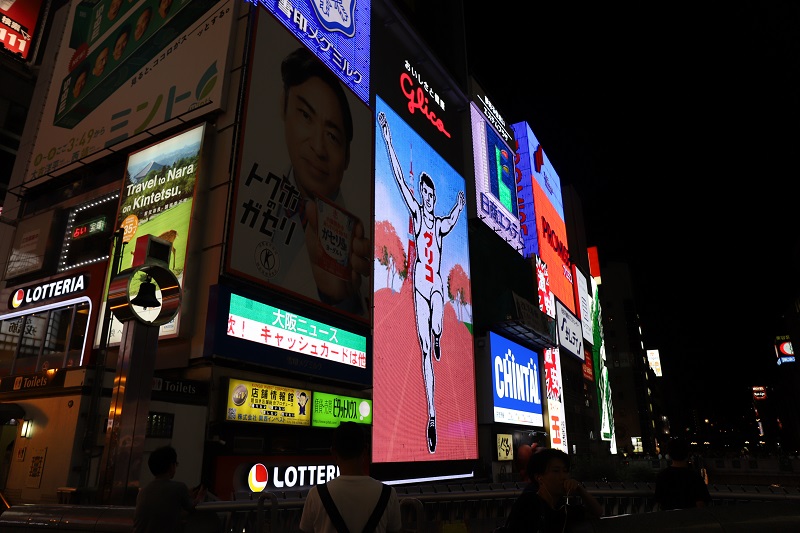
354, 493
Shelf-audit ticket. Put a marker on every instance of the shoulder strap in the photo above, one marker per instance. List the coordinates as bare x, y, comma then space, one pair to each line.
330, 508
380, 507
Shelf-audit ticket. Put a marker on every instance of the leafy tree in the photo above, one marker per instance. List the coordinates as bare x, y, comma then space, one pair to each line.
389, 252
458, 288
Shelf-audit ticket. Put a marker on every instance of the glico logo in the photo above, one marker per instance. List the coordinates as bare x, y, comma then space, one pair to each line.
50, 289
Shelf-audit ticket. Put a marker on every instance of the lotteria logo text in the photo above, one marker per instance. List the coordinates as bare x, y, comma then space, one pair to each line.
290, 476
47, 290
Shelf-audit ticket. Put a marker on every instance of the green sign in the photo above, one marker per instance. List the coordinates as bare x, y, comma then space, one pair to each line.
330, 409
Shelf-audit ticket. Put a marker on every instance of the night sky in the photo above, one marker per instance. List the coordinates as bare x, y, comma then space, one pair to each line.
678, 126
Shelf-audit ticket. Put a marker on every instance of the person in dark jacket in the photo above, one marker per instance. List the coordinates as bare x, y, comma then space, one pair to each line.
548, 503
679, 486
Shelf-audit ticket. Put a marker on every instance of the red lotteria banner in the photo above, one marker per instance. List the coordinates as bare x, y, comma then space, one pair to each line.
260, 473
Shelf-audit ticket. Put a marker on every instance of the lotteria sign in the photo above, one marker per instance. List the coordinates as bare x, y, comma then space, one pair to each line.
48, 290
267, 475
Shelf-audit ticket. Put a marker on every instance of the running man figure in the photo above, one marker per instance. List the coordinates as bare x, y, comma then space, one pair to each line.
429, 231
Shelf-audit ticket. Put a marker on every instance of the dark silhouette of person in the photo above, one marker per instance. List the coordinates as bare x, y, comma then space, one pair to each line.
679, 486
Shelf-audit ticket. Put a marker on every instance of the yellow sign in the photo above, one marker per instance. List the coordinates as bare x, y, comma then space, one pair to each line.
249, 401
505, 447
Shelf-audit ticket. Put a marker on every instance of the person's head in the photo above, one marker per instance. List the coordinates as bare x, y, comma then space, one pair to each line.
81, 74
100, 62
142, 23
113, 9
349, 441
163, 8
317, 123
549, 468
678, 449
427, 192
163, 461
121, 42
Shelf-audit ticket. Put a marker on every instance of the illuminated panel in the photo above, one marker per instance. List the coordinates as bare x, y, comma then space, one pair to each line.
555, 403
429, 262
515, 378
495, 181
263, 324
271, 241
542, 170
553, 248
547, 302
157, 198
654, 361
568, 327
337, 33
604, 403
759, 393
330, 409
88, 234
260, 403
784, 350
529, 156
18, 20
584, 300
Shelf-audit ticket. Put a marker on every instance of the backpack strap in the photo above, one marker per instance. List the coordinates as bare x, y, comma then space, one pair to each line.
380, 507
330, 508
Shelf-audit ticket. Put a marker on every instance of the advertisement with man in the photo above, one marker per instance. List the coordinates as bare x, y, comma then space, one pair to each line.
115, 78
424, 380
302, 204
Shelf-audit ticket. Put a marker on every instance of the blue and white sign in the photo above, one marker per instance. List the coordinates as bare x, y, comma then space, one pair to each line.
337, 32
516, 387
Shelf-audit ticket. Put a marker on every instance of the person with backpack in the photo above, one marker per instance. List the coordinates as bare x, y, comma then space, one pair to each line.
353, 502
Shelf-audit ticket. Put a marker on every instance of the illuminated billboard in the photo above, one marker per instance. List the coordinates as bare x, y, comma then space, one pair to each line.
759, 393
336, 32
495, 181
542, 205
423, 302
18, 21
516, 387
243, 328
584, 301
157, 199
654, 362
301, 221
261, 403
568, 327
603, 384
784, 350
328, 410
547, 302
114, 82
556, 420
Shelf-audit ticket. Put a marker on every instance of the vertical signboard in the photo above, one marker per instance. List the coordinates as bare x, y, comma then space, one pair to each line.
18, 21
157, 199
568, 327
544, 190
495, 181
584, 301
118, 76
604, 402
302, 204
516, 388
424, 395
654, 362
555, 400
547, 302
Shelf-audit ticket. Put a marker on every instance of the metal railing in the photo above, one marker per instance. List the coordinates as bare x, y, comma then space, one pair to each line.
437, 508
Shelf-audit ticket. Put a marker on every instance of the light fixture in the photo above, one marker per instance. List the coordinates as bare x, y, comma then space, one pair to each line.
27, 429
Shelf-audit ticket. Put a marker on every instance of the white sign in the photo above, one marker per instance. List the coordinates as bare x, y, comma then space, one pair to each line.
570, 336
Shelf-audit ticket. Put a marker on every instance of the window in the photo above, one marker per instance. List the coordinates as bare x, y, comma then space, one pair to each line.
48, 337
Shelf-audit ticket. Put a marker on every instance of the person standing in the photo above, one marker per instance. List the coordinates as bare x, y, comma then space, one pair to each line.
546, 505
429, 233
679, 486
160, 505
354, 498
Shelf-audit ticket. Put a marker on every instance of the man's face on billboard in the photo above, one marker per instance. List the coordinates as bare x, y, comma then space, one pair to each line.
313, 126
113, 9
120, 44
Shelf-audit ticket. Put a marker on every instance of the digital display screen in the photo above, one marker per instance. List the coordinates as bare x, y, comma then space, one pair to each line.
331, 409
92, 227
424, 393
250, 401
87, 238
516, 381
